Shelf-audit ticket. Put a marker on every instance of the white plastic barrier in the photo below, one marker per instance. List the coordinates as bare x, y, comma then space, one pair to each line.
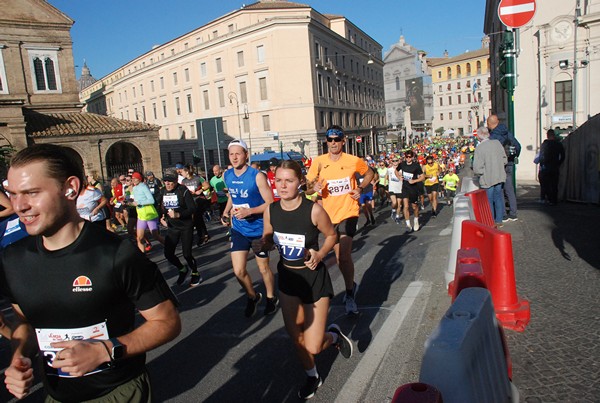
464, 358
462, 211
468, 184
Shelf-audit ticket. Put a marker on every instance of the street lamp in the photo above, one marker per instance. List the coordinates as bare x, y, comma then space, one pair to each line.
233, 97
100, 156
247, 116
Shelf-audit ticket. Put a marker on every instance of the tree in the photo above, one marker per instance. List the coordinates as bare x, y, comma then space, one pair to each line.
440, 130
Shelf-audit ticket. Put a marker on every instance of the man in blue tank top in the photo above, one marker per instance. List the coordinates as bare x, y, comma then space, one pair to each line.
248, 197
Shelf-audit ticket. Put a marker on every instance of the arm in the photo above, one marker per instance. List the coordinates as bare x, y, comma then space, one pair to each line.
101, 203
5, 202
162, 324
323, 222
266, 194
19, 375
368, 177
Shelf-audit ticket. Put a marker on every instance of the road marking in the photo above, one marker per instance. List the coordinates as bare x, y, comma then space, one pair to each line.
360, 378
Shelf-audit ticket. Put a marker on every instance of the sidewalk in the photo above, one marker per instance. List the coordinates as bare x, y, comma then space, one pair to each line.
557, 264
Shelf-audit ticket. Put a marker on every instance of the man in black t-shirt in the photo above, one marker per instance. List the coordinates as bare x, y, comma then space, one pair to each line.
411, 175
75, 289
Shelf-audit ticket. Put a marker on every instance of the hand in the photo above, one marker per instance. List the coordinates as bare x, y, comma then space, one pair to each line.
163, 221
314, 258
225, 220
79, 357
19, 377
242, 213
355, 193
171, 213
317, 185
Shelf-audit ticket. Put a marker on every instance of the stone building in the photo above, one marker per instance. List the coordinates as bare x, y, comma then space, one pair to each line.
39, 100
275, 73
558, 67
407, 83
461, 91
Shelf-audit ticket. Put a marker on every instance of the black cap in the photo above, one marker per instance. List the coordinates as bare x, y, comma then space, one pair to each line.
273, 162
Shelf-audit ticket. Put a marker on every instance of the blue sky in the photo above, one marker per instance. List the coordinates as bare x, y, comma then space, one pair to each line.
109, 33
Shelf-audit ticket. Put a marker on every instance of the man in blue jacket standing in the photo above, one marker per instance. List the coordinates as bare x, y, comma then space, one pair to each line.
512, 148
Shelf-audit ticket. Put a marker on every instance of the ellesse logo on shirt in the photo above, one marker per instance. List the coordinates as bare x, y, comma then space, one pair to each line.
82, 284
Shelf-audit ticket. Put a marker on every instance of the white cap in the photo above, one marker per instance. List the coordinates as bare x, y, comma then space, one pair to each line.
237, 142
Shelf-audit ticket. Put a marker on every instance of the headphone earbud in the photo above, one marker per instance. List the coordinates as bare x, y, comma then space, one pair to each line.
70, 193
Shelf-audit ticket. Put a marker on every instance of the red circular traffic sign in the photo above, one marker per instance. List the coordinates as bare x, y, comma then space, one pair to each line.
516, 13
358, 139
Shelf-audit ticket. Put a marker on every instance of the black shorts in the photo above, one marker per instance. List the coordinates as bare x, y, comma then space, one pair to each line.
411, 193
420, 188
432, 188
306, 284
346, 227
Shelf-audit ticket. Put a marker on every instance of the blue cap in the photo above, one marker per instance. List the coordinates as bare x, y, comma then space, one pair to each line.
178, 166
334, 132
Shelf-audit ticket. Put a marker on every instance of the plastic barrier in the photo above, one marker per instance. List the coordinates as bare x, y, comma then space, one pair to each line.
468, 184
495, 249
469, 273
464, 357
417, 393
462, 212
481, 207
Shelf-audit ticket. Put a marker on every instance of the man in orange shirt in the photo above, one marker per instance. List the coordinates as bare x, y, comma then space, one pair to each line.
333, 175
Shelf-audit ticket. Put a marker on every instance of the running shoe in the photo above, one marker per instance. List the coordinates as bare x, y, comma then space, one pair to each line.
148, 247
195, 279
509, 218
182, 275
310, 387
272, 304
344, 344
416, 226
252, 304
393, 214
351, 307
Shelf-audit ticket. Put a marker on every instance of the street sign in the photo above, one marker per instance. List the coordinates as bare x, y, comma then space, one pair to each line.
516, 13
358, 139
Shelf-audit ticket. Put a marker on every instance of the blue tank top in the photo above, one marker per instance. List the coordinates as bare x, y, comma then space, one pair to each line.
244, 193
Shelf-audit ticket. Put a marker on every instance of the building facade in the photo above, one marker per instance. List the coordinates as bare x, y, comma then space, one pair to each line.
558, 67
408, 90
461, 91
39, 100
274, 73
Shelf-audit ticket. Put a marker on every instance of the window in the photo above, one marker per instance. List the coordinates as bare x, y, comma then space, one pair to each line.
459, 114
262, 83
189, 103
141, 90
206, 100
322, 119
243, 92
441, 101
449, 87
439, 88
230, 28
450, 116
44, 69
221, 92
143, 113
152, 85
441, 116
240, 58
186, 74
260, 54
449, 72
154, 111
181, 133
478, 67
174, 78
133, 91
135, 113
458, 71
320, 84
449, 100
468, 69
162, 83
397, 83
177, 106
202, 69
218, 65
192, 132
468, 83
317, 51
458, 85
266, 123
563, 96
459, 99
167, 137
439, 74
329, 88
164, 107
3, 82
469, 98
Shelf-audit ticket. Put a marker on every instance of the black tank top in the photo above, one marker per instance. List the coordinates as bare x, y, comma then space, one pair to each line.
294, 232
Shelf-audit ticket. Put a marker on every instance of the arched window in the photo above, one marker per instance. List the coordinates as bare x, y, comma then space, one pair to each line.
449, 72
468, 69
478, 67
397, 83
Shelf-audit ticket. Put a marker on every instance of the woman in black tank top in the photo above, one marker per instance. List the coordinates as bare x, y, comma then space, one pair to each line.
293, 224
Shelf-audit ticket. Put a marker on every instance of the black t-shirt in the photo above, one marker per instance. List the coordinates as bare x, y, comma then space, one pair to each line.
411, 171
90, 289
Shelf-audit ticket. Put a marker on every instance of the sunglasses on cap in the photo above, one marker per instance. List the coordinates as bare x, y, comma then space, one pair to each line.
336, 139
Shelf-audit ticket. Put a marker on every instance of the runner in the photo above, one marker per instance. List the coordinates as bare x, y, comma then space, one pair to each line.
177, 210
147, 216
273, 163
395, 190
382, 186
218, 184
333, 174
432, 183
411, 175
450, 182
366, 201
249, 196
294, 224
194, 184
77, 277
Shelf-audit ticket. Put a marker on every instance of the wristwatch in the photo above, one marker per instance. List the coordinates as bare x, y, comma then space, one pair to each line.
118, 349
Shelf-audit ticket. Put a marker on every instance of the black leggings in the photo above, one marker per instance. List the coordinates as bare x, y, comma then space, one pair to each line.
172, 239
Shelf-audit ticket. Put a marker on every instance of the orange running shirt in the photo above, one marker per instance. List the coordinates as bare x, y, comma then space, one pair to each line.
338, 180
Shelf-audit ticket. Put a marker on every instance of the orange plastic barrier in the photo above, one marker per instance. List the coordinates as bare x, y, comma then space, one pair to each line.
417, 393
468, 273
495, 249
481, 207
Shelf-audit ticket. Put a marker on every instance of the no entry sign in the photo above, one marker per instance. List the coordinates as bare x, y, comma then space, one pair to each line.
516, 13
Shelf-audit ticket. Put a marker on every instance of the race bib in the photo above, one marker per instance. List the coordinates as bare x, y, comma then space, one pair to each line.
407, 176
170, 201
47, 336
338, 187
290, 246
450, 183
191, 188
118, 204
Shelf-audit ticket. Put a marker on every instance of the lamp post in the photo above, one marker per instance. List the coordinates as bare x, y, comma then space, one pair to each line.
247, 116
233, 97
100, 156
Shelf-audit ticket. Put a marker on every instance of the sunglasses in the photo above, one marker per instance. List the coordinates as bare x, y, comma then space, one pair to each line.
336, 139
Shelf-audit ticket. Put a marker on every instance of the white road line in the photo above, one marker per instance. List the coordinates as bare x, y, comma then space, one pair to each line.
359, 380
